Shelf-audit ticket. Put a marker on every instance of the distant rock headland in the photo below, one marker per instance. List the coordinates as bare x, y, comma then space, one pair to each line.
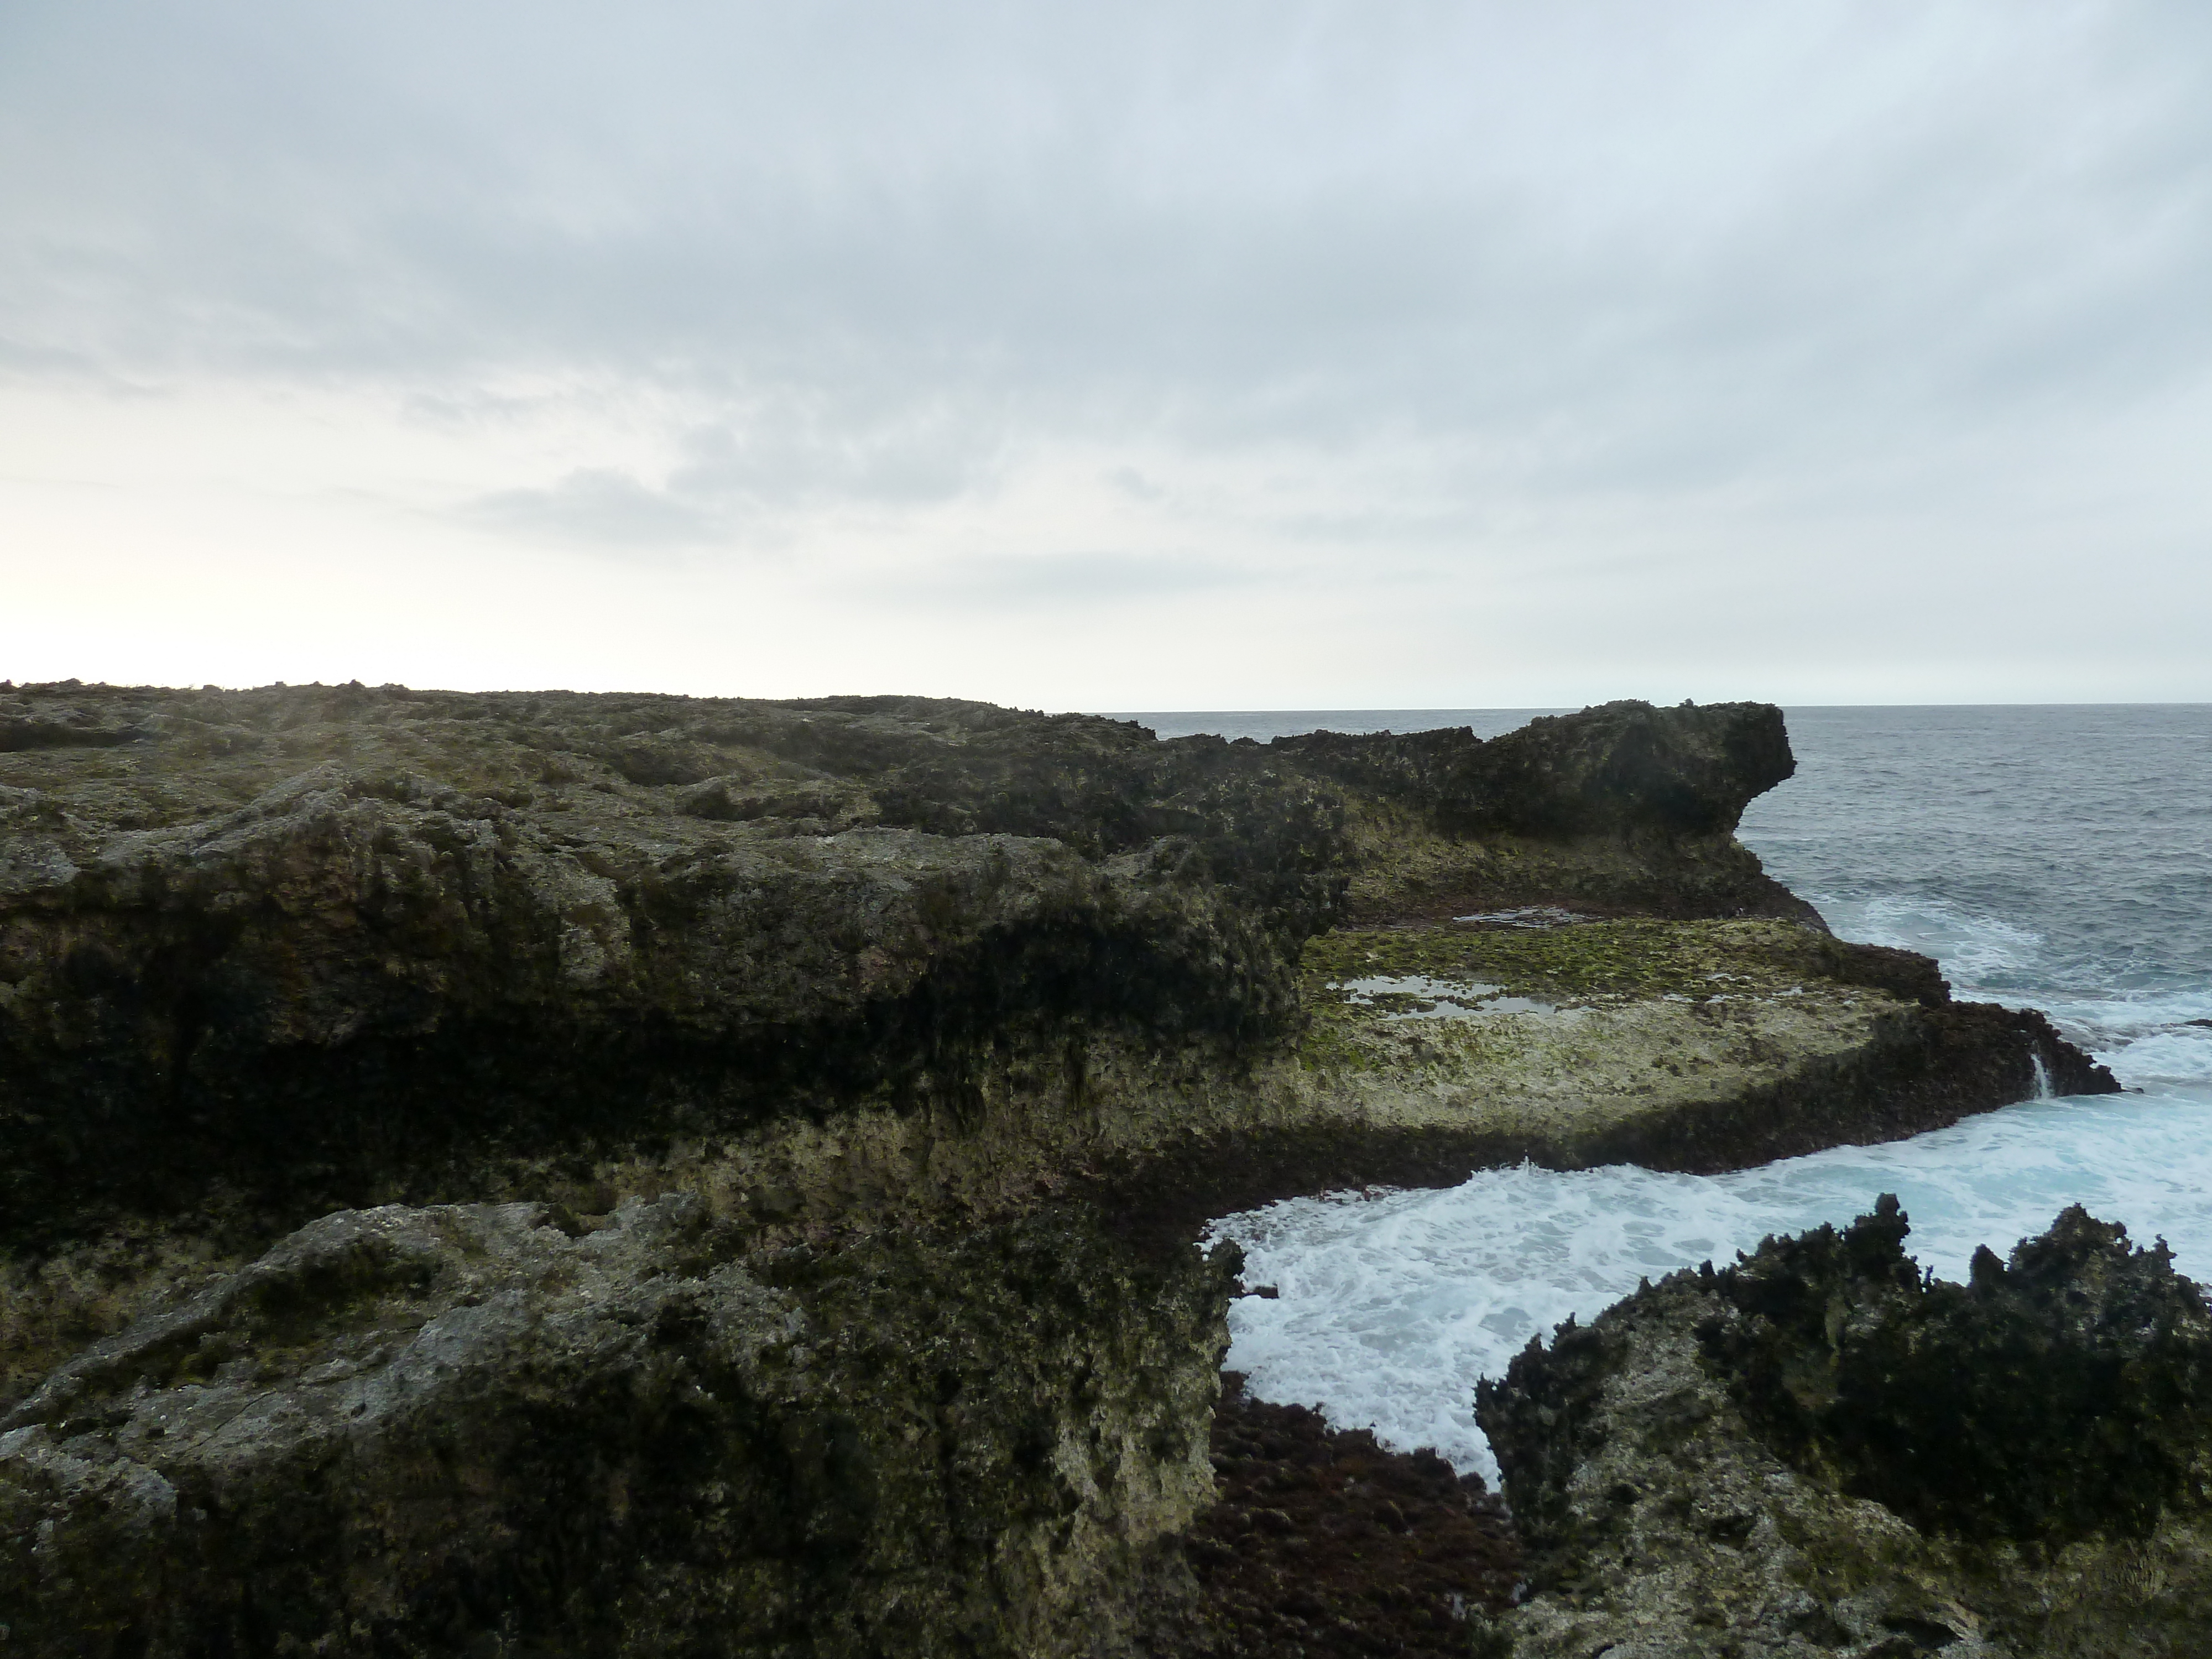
572, 1174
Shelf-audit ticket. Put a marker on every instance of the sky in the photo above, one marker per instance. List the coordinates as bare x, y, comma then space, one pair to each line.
1383, 354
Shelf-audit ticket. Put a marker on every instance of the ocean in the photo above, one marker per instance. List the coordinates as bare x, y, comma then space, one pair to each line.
2058, 858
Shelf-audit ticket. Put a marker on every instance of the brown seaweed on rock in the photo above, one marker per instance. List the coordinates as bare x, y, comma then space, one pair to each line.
1322, 1542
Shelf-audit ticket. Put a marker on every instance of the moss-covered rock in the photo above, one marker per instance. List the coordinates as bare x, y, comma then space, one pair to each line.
503, 1429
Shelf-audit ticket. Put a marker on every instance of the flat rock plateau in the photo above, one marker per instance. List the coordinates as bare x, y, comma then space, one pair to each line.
580, 1175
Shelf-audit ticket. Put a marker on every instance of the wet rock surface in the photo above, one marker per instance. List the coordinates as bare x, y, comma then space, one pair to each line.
1822, 1450
1323, 1542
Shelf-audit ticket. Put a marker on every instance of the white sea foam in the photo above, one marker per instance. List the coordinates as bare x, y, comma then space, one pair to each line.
1392, 1305
1973, 948
2142, 1033
2054, 858
2181, 1056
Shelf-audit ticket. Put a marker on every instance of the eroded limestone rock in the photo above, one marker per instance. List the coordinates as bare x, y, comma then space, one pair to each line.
955, 1020
496, 1429
1822, 1452
276, 953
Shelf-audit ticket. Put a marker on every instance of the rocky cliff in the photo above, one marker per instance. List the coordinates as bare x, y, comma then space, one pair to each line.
948, 1021
493, 1428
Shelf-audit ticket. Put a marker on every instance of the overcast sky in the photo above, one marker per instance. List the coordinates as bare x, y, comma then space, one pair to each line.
1229, 355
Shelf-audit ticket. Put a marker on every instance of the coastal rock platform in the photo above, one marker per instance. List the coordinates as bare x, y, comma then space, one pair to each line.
983, 1009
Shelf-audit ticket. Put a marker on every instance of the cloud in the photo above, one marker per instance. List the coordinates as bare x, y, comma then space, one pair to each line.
1050, 580
1302, 221
596, 506
1391, 292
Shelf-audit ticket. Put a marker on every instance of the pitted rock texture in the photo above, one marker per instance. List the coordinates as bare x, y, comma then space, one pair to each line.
265, 954
1822, 1451
315, 946
937, 1008
499, 1429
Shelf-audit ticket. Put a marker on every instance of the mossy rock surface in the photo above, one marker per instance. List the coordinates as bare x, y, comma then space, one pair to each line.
1600, 963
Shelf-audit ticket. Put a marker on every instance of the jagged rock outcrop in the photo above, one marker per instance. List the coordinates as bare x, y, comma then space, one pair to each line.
1821, 1451
1622, 808
501, 1430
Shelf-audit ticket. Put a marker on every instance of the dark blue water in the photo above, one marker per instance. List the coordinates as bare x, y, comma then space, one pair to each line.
2059, 858
2056, 857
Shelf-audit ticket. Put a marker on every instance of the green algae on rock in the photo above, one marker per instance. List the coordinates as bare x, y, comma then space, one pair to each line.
1432, 1050
1822, 1451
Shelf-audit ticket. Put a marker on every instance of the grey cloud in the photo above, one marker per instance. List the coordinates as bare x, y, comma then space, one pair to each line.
1135, 485
1606, 248
740, 481
594, 506
804, 450
1052, 580
1000, 206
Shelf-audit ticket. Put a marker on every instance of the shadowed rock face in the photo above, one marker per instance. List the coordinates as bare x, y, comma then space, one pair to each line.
492, 1429
2066, 1394
1623, 810
1822, 1450
1619, 768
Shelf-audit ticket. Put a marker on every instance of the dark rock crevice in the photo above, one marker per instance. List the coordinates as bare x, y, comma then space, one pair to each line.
1322, 1542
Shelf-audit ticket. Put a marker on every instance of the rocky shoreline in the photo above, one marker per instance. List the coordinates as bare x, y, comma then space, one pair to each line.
560, 1174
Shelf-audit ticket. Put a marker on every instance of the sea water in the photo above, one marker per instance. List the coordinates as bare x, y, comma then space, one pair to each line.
2055, 858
